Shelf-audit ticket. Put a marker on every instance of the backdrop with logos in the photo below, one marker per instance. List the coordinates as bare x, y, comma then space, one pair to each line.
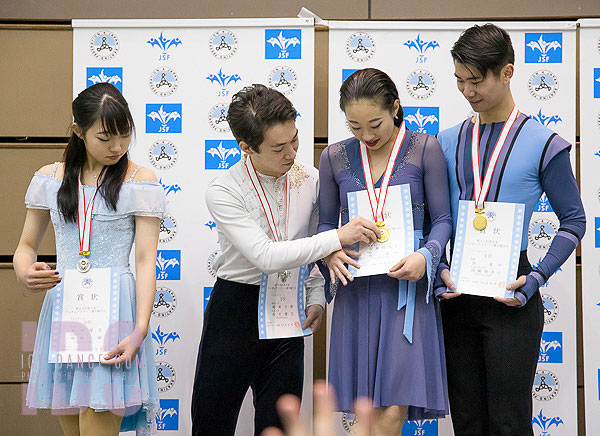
416, 55
178, 77
589, 130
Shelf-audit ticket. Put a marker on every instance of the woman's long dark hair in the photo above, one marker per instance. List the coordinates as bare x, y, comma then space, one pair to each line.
98, 102
371, 84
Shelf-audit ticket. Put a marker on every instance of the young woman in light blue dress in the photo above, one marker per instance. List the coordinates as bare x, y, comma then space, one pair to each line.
119, 393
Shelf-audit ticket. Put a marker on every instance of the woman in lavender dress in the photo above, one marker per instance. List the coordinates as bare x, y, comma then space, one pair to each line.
378, 351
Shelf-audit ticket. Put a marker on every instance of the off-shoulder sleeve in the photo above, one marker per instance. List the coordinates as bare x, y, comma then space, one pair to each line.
41, 193
138, 198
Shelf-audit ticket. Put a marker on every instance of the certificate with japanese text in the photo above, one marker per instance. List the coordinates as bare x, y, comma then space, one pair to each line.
379, 257
85, 316
281, 304
485, 261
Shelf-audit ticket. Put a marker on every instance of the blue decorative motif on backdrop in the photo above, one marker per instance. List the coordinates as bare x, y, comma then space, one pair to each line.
421, 46
546, 120
423, 427
207, 292
543, 204
164, 44
168, 415
112, 75
283, 43
545, 423
175, 188
168, 265
422, 119
596, 82
543, 48
163, 118
221, 154
346, 72
551, 348
162, 338
597, 232
223, 80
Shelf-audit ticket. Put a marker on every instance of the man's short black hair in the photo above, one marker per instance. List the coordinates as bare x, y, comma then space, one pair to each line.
256, 108
485, 48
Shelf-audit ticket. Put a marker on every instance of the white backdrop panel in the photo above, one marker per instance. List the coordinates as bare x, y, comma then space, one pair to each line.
417, 57
589, 100
178, 76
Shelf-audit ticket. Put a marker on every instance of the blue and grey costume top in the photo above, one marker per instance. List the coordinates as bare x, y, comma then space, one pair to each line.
534, 160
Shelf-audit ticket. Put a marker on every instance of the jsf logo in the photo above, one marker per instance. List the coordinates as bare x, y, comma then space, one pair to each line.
544, 424
543, 48
162, 338
543, 204
283, 45
221, 154
421, 46
164, 44
545, 120
223, 80
175, 188
551, 348
163, 118
423, 427
167, 417
422, 119
168, 265
113, 75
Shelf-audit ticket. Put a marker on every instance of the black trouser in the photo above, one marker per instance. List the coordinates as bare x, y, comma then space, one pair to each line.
231, 358
491, 355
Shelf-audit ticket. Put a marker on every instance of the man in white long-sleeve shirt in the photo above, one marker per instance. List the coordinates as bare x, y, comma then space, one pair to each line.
266, 211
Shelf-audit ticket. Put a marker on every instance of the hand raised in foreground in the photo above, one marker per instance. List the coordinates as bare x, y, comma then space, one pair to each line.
288, 407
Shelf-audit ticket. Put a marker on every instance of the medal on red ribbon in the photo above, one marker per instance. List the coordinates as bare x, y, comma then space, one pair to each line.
480, 189
266, 207
377, 202
84, 223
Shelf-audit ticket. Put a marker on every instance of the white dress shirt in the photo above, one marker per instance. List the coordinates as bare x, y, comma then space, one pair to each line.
247, 245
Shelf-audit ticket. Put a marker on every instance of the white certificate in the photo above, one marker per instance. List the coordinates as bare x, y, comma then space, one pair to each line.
281, 304
379, 257
484, 262
85, 316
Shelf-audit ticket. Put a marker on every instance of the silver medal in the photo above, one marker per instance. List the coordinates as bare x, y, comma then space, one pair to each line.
84, 265
283, 276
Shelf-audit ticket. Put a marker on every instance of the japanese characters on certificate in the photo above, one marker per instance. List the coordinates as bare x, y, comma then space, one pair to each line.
379, 257
484, 261
84, 317
281, 304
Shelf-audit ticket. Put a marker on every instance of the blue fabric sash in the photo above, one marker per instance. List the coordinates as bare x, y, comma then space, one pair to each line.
407, 290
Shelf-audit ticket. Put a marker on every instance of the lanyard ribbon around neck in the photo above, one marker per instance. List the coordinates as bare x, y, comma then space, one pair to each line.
264, 201
480, 189
84, 215
377, 202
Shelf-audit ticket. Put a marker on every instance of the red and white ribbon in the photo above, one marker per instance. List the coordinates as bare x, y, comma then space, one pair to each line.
378, 201
264, 201
84, 215
480, 190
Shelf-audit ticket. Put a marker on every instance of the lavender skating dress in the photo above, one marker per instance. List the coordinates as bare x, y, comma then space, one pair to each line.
369, 354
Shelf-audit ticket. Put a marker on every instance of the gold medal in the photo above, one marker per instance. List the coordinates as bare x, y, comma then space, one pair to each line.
385, 233
480, 221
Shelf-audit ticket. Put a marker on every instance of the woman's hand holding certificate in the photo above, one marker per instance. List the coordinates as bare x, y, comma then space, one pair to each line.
411, 268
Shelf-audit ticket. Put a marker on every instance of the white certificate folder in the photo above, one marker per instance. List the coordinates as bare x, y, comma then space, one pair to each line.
378, 257
484, 262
